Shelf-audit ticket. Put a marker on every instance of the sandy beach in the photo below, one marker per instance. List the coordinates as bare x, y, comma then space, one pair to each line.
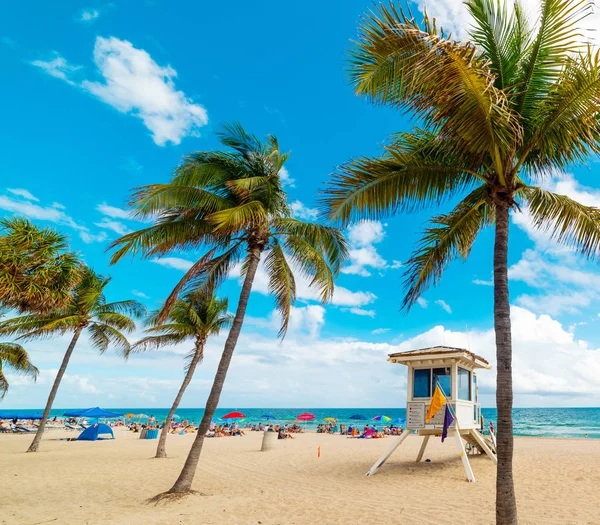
109, 481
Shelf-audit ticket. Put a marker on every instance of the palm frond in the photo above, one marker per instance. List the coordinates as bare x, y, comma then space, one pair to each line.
15, 357
116, 320
129, 307
282, 284
558, 36
239, 217
103, 336
452, 235
565, 220
419, 169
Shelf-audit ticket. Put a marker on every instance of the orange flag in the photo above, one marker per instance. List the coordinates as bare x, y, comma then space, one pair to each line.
437, 402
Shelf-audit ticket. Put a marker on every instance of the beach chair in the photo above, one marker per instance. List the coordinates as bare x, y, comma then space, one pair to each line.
24, 429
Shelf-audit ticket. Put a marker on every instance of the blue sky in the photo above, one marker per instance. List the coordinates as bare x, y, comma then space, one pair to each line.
102, 97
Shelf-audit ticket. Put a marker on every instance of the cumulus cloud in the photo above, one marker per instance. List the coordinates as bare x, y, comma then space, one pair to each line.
423, 303
112, 211
300, 211
133, 83
362, 237
286, 178
360, 311
116, 226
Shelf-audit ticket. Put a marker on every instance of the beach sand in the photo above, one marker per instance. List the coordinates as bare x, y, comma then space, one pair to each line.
102, 482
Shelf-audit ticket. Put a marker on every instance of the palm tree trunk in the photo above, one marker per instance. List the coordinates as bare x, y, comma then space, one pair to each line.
184, 481
35, 444
506, 506
161, 450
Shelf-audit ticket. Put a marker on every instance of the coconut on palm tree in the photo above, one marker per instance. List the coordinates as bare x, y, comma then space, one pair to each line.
14, 357
194, 318
87, 311
37, 270
232, 204
496, 116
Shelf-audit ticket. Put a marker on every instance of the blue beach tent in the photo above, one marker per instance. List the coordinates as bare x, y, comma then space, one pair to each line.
93, 432
91, 413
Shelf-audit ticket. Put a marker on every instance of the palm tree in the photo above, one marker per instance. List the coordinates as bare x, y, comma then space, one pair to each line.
37, 270
233, 204
195, 318
14, 356
88, 311
496, 116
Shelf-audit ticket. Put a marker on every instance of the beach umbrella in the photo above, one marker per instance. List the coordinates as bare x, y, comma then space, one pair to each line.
129, 416
358, 416
234, 415
175, 416
267, 417
94, 413
141, 416
398, 421
329, 419
306, 416
382, 418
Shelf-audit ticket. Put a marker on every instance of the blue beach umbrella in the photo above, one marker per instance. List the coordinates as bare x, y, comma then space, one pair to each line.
268, 416
398, 421
358, 416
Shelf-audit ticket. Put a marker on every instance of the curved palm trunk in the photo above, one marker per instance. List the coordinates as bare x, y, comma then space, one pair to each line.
35, 444
161, 450
184, 481
506, 506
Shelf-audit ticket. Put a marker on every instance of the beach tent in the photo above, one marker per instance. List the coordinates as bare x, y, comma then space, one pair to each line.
19, 415
93, 433
95, 412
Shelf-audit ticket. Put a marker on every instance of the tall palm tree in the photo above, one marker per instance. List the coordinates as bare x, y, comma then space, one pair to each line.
233, 204
87, 311
14, 356
496, 115
37, 270
196, 318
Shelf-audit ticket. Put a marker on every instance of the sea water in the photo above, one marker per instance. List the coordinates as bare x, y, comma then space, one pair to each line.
541, 422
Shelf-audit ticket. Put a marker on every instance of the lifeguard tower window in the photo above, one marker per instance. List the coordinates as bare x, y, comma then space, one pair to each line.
464, 384
422, 383
442, 375
425, 380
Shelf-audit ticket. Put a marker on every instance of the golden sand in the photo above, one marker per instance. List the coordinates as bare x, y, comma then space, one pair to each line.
104, 482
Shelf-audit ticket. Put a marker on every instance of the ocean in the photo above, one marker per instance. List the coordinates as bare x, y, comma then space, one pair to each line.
541, 422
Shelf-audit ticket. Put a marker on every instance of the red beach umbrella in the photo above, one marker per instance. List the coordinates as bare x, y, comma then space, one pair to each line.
234, 415
307, 416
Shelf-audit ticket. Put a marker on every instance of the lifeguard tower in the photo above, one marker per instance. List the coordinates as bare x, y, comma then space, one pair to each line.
454, 370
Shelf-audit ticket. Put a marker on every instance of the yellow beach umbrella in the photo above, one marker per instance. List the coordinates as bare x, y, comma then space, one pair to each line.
329, 419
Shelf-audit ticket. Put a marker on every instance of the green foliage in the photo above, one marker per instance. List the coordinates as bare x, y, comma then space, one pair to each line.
14, 357
86, 309
37, 270
232, 205
497, 115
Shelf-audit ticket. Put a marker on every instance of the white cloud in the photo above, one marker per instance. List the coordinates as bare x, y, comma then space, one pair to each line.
115, 226
286, 178
26, 194
112, 211
174, 262
300, 211
341, 296
481, 282
139, 294
133, 83
360, 311
362, 237
58, 67
88, 15
423, 303
378, 331
452, 16
444, 305
54, 214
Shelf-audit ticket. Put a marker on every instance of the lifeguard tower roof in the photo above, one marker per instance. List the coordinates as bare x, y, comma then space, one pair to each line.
425, 356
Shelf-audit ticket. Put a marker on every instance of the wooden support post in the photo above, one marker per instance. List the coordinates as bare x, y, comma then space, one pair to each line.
385, 457
479, 438
463, 456
423, 447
